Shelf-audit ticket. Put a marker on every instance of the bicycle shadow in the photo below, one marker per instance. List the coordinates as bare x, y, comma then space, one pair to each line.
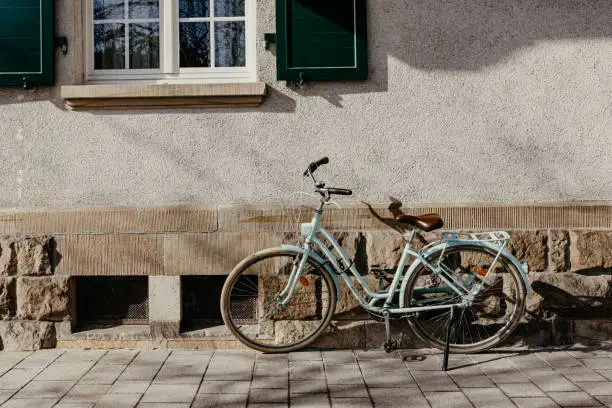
395, 208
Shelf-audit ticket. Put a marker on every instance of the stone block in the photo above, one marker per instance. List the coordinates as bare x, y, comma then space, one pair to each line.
8, 257
424, 238
267, 218
8, 302
215, 253
353, 244
347, 306
63, 330
342, 334
164, 330
542, 332
559, 251
593, 331
530, 247
567, 293
110, 255
43, 298
303, 303
7, 223
23, 335
33, 256
360, 217
253, 218
591, 249
400, 331
384, 249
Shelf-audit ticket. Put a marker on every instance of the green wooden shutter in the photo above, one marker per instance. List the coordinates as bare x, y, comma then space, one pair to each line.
321, 40
26, 42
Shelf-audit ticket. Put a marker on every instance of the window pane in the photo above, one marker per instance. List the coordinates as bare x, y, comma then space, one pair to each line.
144, 45
108, 9
195, 45
229, 44
109, 46
144, 8
229, 8
193, 8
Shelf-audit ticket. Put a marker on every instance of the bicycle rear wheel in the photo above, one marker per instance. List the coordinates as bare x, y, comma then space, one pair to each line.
495, 312
250, 310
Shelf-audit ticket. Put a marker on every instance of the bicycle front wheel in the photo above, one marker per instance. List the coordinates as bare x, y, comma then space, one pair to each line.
250, 307
495, 312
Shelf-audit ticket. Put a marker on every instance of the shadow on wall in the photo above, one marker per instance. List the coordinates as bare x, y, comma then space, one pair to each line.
463, 35
566, 305
431, 35
15, 95
468, 35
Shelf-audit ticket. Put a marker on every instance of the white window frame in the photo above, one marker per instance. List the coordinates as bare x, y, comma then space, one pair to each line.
169, 70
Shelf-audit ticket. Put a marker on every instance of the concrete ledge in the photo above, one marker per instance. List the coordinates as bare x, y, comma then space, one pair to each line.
238, 218
267, 218
80, 97
112, 220
7, 223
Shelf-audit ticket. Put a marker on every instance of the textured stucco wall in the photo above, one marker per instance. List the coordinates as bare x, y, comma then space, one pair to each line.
468, 101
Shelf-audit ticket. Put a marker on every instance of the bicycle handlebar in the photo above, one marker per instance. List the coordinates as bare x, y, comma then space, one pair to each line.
315, 165
325, 192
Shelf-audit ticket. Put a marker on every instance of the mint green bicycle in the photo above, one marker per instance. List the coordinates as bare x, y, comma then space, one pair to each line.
282, 299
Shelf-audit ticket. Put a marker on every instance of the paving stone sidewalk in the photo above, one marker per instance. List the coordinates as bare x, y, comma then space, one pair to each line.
576, 377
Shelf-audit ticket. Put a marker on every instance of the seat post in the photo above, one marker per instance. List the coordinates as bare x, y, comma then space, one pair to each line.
410, 237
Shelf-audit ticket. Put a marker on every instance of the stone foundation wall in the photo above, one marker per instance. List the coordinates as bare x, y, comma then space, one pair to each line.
32, 299
569, 250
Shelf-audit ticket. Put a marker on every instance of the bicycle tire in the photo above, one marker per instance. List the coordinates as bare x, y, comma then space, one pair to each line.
323, 293
430, 326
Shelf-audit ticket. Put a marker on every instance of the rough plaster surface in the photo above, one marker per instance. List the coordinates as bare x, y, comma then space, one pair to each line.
467, 101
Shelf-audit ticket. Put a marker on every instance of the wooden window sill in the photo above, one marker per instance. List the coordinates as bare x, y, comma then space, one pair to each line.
82, 97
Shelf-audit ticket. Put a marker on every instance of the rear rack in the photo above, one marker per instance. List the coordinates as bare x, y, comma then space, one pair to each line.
499, 238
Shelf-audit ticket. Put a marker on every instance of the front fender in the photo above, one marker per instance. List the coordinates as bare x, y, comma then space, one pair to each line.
320, 260
440, 246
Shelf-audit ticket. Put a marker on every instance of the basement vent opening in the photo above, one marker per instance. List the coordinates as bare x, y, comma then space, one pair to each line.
112, 300
201, 297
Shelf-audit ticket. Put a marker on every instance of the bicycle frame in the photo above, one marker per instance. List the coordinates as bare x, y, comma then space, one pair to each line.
343, 265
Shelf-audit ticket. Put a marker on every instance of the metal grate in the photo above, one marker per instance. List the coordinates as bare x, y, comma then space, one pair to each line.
244, 311
112, 299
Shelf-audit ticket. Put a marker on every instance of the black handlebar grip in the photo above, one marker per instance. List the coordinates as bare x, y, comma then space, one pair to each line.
315, 165
339, 191
324, 160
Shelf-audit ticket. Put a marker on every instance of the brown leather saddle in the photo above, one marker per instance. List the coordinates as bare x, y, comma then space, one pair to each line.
425, 222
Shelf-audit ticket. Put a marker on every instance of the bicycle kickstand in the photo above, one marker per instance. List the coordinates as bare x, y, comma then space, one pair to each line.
450, 332
389, 345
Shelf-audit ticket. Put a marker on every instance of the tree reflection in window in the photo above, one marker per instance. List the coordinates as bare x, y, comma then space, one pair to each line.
229, 8
109, 46
119, 21
228, 21
195, 45
230, 44
126, 34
